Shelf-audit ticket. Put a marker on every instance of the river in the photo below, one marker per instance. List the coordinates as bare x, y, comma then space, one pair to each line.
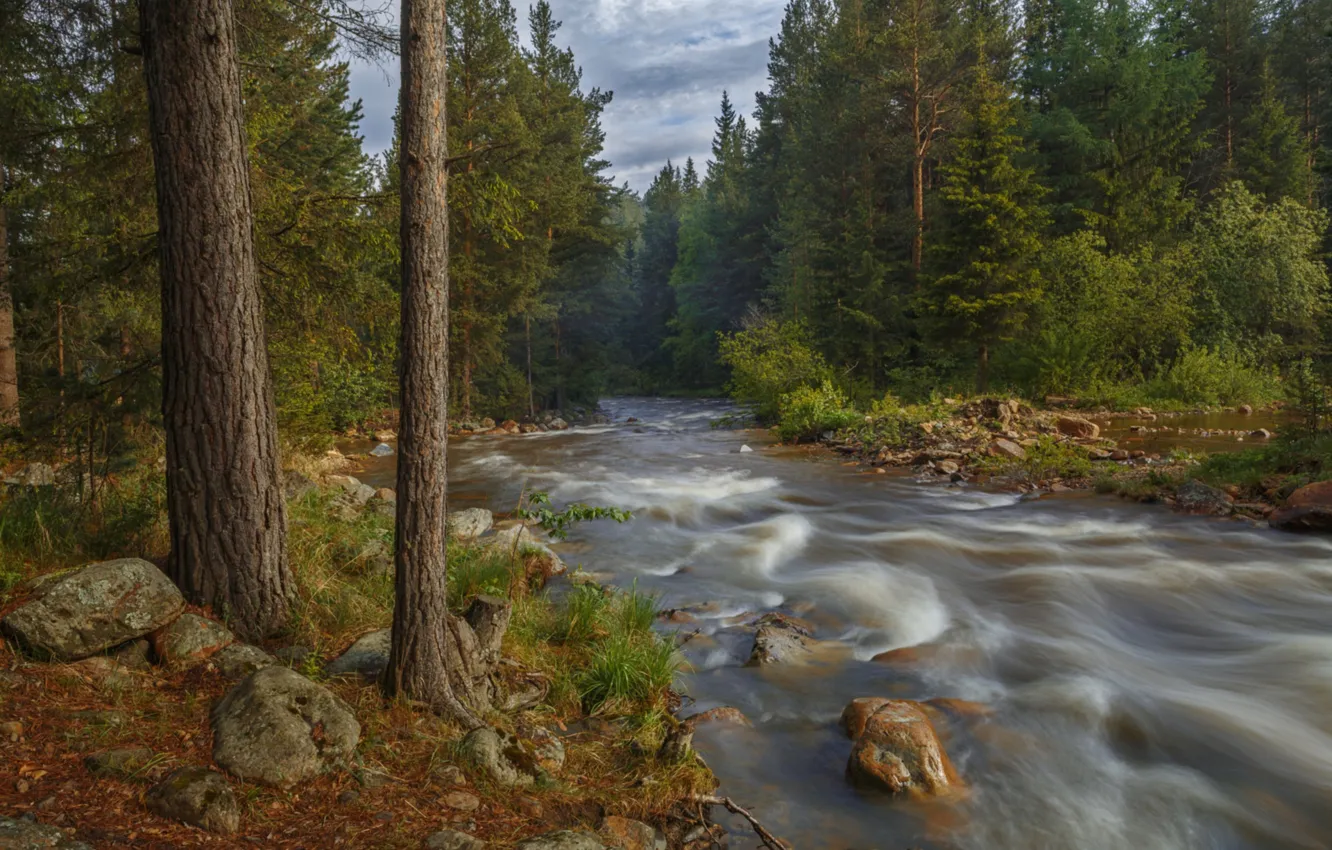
1157, 681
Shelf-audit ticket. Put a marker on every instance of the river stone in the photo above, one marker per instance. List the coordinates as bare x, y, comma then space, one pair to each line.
367, 657
857, 713
190, 639
1005, 449
196, 796
565, 839
899, 751
382, 450
515, 537
278, 728
1075, 426
557, 424
451, 839
95, 608
1308, 509
779, 640
1195, 497
27, 835
489, 750
470, 523
627, 834
240, 660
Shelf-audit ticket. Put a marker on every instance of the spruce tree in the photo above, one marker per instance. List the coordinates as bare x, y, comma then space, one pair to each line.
1272, 158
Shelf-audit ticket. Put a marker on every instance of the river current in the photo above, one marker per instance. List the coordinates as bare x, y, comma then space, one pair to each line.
1158, 682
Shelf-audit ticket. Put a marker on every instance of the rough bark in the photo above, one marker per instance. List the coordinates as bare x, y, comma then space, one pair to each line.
434, 658
9, 398
224, 495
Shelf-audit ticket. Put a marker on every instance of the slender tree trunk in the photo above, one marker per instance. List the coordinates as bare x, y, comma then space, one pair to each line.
9, 397
434, 658
531, 395
559, 369
918, 151
224, 494
983, 371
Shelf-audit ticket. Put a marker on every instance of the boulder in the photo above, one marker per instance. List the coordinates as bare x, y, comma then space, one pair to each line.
779, 639
948, 467
452, 839
278, 728
722, 714
514, 537
385, 501
1119, 454
627, 834
1195, 497
190, 639
508, 426
385, 435
557, 424
527, 428
351, 496
1075, 426
1260, 434
470, 523
28, 835
295, 485
487, 423
240, 660
857, 713
1005, 449
367, 657
1245, 409
382, 450
95, 608
1308, 509
565, 839
196, 796
490, 750
899, 751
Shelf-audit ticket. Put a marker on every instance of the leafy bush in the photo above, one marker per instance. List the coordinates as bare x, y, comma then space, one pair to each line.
810, 411
769, 360
1214, 376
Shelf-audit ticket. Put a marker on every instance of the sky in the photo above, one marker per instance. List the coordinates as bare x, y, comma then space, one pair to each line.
667, 61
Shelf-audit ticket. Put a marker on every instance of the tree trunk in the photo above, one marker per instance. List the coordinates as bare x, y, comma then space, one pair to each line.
531, 395
224, 494
9, 398
434, 658
983, 371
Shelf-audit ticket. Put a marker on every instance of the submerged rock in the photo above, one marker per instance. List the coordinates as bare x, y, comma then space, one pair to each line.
779, 640
196, 796
899, 751
278, 728
95, 608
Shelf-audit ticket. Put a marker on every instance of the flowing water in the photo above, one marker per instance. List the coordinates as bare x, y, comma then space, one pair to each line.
1157, 681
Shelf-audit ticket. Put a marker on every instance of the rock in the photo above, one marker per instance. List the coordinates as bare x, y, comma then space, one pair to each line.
778, 640
1260, 434
292, 656
857, 714
386, 494
105, 671
296, 485
95, 608
278, 728
1195, 497
190, 639
36, 475
745, 450
528, 428
543, 749
29, 835
382, 450
462, 801
1074, 426
1119, 454
196, 796
508, 426
122, 763
1005, 449
134, 655
487, 423
557, 424
947, 467
721, 714
563, 840
899, 751
1099, 454
385, 501
514, 536
489, 750
240, 660
629, 834
449, 774
470, 523
1246, 409
1308, 509
451, 839
367, 657
352, 496
385, 436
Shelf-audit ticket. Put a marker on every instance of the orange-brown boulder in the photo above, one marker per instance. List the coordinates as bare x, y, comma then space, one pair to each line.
900, 752
857, 713
1074, 426
1308, 509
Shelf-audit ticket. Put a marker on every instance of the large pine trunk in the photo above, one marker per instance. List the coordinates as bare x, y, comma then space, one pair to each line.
224, 493
9, 398
435, 658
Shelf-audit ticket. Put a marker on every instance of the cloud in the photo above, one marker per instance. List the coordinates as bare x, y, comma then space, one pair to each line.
667, 61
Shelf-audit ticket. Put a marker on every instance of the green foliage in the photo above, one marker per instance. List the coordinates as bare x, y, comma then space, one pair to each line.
1310, 397
810, 411
768, 360
624, 669
477, 570
557, 523
1213, 376
1046, 460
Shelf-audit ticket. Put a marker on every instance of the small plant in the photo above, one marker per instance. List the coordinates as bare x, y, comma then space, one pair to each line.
810, 411
625, 669
635, 612
557, 523
582, 616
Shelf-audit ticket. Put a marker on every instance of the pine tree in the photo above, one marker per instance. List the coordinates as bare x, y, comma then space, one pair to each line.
982, 276
1272, 159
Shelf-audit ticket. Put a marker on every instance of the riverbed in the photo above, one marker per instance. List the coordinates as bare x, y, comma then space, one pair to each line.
1157, 681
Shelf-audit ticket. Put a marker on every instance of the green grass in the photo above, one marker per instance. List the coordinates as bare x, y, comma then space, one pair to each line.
625, 669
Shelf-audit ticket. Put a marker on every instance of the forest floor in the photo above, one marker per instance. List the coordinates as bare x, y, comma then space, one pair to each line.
408, 778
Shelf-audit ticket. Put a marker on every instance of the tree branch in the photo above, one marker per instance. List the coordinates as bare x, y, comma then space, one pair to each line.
769, 840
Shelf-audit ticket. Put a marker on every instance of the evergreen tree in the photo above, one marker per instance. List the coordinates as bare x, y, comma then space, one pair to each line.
1272, 159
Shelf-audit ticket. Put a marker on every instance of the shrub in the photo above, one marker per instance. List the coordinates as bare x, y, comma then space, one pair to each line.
1214, 376
769, 360
810, 411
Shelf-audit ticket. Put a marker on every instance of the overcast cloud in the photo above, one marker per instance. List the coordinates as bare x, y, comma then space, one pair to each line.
667, 61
